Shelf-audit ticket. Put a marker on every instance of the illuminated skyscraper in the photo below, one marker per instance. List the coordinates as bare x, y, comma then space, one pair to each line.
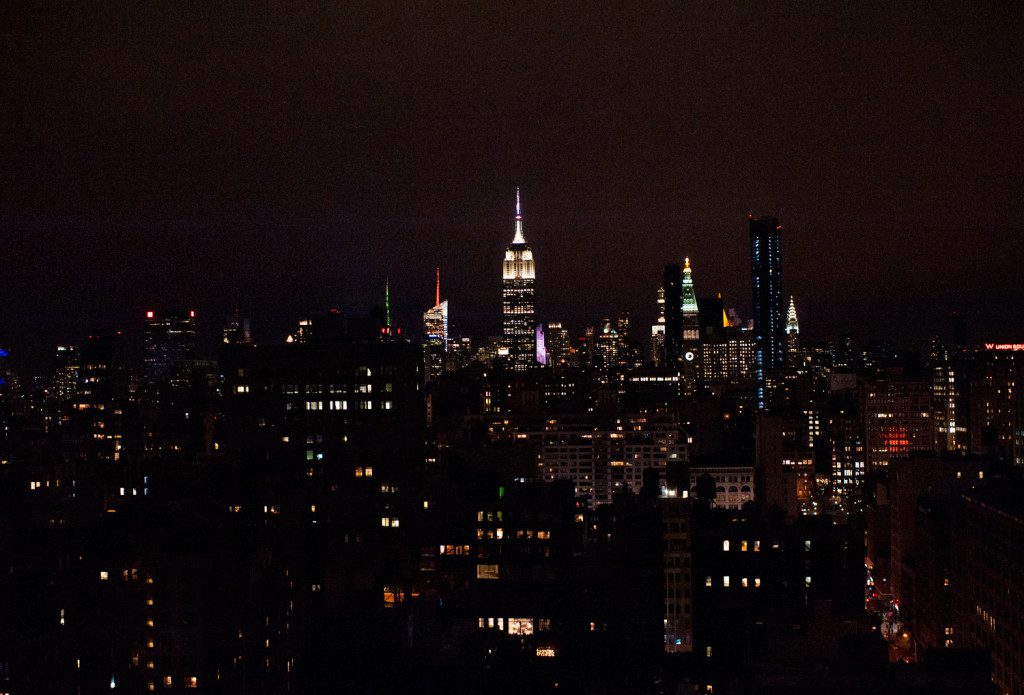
691, 320
766, 282
435, 334
517, 295
792, 332
170, 339
67, 365
658, 332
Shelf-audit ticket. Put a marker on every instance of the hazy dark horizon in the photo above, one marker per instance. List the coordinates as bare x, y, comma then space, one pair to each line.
283, 160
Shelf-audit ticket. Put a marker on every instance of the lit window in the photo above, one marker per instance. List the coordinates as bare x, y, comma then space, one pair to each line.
744, 582
725, 581
545, 651
520, 626
369, 472
707, 651
486, 571
725, 546
393, 595
707, 581
191, 682
168, 681
757, 582
743, 546
104, 576
241, 388
807, 581
385, 521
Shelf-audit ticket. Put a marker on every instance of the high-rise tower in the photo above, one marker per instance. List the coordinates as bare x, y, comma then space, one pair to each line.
792, 331
672, 286
658, 332
169, 339
517, 299
691, 319
435, 334
766, 282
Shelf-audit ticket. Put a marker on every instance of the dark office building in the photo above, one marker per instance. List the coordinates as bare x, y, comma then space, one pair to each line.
988, 539
766, 281
673, 284
170, 338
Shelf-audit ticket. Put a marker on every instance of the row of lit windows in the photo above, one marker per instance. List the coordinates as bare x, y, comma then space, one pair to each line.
343, 405
744, 582
744, 546
515, 626
454, 550
294, 389
128, 574
499, 534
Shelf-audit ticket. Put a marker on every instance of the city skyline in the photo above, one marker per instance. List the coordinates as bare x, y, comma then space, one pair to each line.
480, 323
525, 347
141, 173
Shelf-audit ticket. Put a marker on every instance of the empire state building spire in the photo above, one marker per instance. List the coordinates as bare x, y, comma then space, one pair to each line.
519, 238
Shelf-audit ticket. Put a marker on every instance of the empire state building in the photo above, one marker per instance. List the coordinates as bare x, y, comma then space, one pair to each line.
517, 299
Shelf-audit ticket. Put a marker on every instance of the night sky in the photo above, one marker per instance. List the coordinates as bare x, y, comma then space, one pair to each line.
284, 159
